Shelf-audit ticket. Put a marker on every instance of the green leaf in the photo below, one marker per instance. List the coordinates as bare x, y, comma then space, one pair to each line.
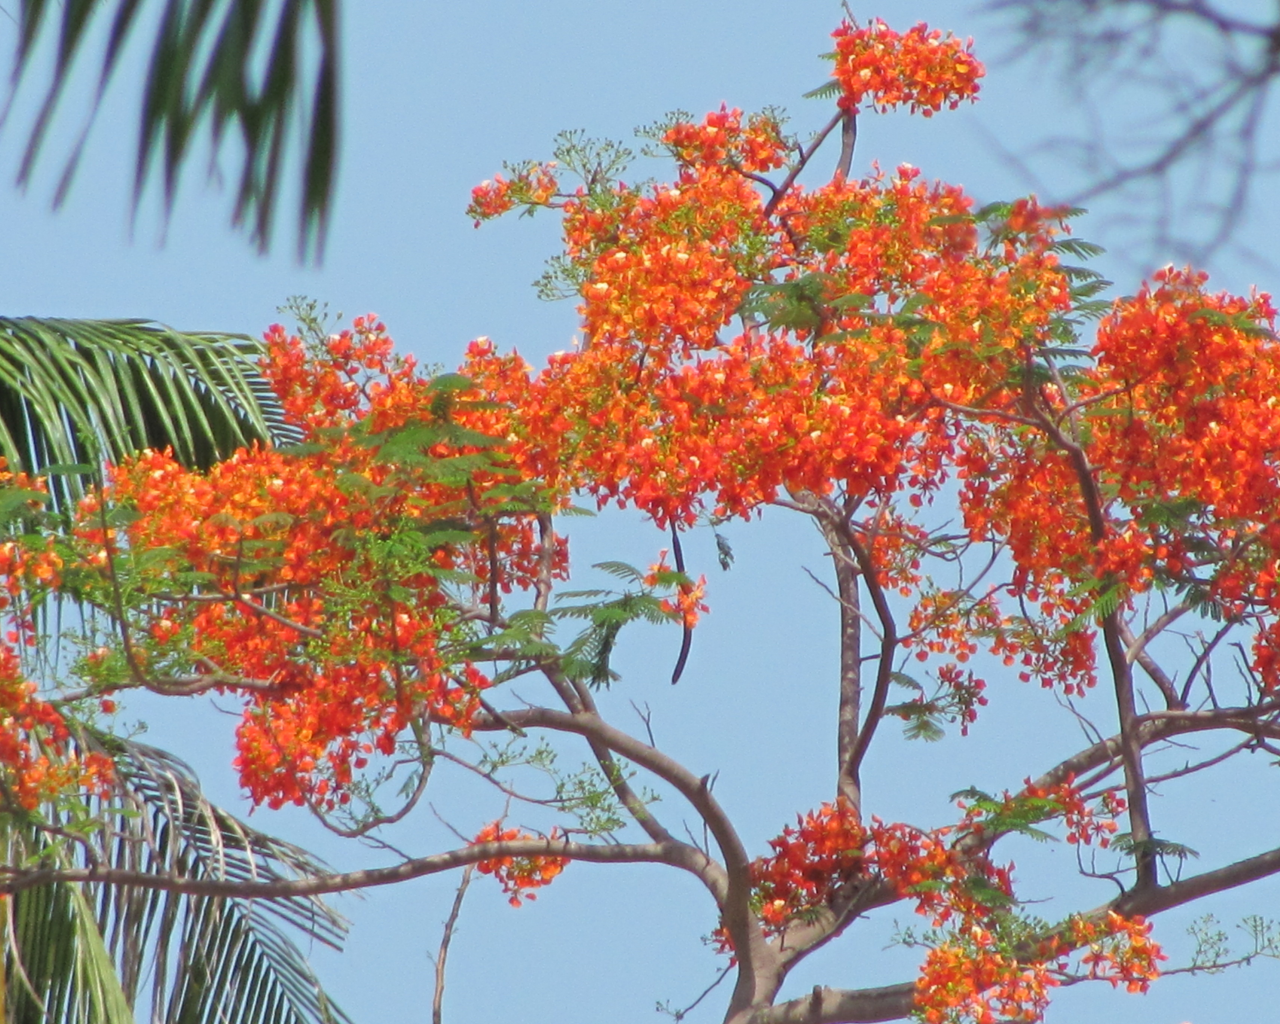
68, 469
970, 795
1124, 842
828, 90
98, 978
451, 382
14, 502
924, 726
1078, 248
984, 892
902, 679
998, 211
620, 569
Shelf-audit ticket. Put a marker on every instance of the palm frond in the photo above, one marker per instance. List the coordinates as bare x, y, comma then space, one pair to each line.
275, 82
55, 963
83, 954
77, 392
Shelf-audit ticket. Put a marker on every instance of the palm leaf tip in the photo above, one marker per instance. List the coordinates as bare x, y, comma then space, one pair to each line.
268, 71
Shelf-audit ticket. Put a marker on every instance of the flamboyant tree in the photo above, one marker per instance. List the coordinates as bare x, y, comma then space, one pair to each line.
1009, 494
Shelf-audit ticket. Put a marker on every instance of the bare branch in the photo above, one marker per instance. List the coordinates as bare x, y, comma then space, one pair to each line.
846, 568
437, 1000
14, 879
843, 1006
884, 666
1256, 720
1206, 112
805, 156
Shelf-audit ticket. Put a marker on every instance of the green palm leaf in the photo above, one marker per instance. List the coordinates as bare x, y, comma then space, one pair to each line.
274, 82
81, 392
78, 392
83, 954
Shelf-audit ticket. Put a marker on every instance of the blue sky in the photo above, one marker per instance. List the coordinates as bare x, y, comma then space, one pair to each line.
436, 96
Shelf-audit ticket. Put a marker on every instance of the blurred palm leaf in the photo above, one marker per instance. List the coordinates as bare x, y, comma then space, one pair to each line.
82, 954
275, 80
78, 392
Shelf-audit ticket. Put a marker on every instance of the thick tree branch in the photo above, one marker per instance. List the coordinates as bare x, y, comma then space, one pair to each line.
884, 664
812, 931
679, 855
694, 789
578, 698
1131, 747
1257, 720
850, 702
844, 1006
759, 969
848, 139
1188, 890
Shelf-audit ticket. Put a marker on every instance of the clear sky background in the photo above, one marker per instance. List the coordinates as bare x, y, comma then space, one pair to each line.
435, 97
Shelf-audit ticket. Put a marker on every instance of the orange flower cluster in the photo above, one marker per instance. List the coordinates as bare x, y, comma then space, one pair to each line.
978, 975
1194, 376
921, 68
1120, 950
971, 981
318, 591
826, 849
1065, 800
531, 185
669, 266
1082, 822
686, 604
979, 978
1183, 430
517, 875
659, 411
830, 847
974, 976
35, 763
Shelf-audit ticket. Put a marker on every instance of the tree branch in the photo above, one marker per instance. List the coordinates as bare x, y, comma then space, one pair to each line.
848, 139
846, 570
1256, 720
844, 1006
1188, 890
805, 156
694, 789
884, 666
13, 880
437, 999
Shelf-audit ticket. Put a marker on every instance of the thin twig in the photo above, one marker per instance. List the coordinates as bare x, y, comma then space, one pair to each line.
437, 1001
